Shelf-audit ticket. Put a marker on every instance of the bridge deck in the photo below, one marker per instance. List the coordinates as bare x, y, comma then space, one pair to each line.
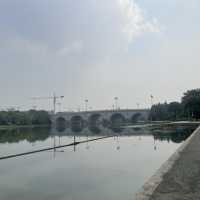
99, 111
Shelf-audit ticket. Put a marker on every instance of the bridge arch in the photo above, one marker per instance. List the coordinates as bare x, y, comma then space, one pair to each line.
94, 119
117, 119
76, 120
61, 124
136, 117
104, 118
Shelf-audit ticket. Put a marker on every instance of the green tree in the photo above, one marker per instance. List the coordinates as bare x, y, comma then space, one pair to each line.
165, 111
175, 110
159, 112
31, 117
39, 117
191, 103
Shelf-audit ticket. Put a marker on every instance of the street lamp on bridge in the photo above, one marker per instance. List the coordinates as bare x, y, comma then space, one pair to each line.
116, 102
151, 96
86, 105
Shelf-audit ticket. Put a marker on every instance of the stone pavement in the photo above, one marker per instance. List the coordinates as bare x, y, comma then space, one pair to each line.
182, 180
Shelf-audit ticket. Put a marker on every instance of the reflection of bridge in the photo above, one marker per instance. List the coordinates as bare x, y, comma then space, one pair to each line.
100, 131
101, 117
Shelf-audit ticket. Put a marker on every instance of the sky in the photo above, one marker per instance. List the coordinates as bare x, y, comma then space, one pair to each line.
97, 50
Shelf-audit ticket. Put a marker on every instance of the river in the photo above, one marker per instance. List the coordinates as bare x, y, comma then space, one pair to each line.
110, 169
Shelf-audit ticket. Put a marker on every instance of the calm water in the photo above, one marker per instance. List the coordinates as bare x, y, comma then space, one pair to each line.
109, 169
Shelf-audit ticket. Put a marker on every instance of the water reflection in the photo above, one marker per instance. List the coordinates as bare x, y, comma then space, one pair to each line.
174, 136
117, 143
31, 135
95, 129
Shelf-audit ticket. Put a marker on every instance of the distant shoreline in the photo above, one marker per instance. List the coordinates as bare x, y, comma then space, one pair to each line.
7, 127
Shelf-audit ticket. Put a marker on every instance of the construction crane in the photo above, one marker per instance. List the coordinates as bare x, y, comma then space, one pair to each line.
54, 98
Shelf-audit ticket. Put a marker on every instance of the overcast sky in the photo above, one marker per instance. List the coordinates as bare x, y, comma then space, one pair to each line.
96, 50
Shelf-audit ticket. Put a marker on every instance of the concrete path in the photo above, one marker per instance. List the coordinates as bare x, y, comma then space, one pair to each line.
182, 180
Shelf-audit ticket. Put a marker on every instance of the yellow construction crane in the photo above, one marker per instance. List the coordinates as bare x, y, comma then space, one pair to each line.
54, 97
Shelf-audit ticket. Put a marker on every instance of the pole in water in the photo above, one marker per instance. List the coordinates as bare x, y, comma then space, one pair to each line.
54, 145
74, 143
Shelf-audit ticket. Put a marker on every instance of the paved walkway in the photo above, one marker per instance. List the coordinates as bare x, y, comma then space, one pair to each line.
182, 181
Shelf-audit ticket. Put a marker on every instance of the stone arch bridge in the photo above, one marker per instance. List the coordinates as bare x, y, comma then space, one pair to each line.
100, 117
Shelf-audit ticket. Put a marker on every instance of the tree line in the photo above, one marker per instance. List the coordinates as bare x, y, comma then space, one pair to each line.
31, 117
188, 108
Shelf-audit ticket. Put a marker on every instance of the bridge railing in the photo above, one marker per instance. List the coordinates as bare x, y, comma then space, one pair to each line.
107, 110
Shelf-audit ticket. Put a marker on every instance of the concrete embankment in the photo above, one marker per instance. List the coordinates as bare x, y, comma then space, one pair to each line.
179, 177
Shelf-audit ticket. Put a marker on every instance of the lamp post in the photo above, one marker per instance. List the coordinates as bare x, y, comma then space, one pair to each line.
151, 96
113, 107
86, 104
116, 102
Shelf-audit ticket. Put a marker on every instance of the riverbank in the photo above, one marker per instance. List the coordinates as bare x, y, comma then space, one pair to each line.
164, 124
179, 177
9, 127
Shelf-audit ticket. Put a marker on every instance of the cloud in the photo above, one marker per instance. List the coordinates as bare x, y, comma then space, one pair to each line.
134, 22
100, 25
54, 45
73, 48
